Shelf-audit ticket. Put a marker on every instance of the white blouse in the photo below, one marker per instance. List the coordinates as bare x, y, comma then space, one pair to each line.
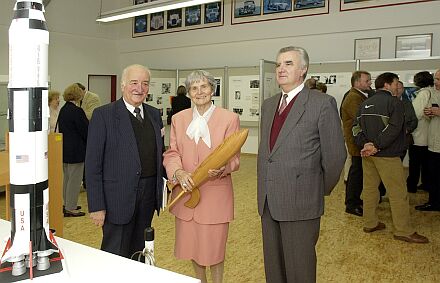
198, 128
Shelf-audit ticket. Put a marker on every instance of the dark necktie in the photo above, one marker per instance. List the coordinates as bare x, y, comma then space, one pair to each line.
283, 104
137, 110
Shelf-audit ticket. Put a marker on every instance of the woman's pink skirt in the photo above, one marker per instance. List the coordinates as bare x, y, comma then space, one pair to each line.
203, 243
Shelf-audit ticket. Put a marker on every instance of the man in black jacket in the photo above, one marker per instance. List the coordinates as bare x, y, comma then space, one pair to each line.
379, 130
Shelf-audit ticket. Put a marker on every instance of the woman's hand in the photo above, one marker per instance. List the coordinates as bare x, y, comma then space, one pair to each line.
184, 179
217, 173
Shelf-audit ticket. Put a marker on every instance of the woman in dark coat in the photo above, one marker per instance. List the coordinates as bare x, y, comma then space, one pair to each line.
73, 124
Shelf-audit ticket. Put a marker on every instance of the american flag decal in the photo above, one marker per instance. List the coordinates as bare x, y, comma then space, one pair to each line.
21, 158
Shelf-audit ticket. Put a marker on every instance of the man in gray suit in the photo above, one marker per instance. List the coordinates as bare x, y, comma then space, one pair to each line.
300, 158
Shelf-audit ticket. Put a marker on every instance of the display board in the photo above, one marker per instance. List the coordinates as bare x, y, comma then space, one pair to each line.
162, 86
336, 76
337, 83
244, 97
269, 85
159, 95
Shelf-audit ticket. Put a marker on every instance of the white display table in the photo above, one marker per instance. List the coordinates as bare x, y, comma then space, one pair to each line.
84, 264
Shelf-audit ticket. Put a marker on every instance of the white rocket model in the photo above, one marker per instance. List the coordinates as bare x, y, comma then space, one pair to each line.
28, 115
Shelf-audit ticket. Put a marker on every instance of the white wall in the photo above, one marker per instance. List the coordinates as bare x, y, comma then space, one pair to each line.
78, 45
326, 37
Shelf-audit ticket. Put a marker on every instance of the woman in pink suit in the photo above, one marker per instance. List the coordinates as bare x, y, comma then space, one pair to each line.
201, 233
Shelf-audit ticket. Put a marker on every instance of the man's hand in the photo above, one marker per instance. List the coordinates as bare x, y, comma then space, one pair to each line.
98, 217
368, 150
435, 111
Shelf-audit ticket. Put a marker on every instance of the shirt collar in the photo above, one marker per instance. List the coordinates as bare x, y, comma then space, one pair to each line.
294, 92
130, 108
363, 92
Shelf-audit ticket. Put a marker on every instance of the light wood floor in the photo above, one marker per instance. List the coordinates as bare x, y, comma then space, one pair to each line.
345, 253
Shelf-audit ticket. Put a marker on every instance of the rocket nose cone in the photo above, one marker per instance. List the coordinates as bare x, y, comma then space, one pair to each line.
243, 133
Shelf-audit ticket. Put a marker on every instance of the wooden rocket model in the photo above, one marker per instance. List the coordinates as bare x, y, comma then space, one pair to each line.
217, 159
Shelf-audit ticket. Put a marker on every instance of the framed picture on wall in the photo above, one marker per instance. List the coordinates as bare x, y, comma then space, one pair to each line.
308, 4
367, 48
247, 11
246, 8
414, 46
140, 24
348, 5
174, 18
276, 6
213, 12
193, 15
182, 19
157, 21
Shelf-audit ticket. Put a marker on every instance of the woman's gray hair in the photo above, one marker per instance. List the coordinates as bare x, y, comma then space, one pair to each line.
200, 75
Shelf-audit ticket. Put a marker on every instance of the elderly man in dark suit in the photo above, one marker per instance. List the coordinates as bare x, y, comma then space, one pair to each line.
300, 158
124, 165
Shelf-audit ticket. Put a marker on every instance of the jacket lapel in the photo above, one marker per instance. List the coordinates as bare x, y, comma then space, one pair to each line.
123, 124
292, 119
157, 132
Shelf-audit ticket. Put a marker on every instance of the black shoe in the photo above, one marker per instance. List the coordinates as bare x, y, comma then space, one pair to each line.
77, 208
422, 187
427, 207
68, 213
358, 211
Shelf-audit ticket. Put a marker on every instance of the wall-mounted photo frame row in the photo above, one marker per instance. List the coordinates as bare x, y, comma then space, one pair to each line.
194, 17
348, 5
407, 46
245, 11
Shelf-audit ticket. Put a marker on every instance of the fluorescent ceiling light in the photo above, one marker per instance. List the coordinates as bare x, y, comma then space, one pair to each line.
148, 8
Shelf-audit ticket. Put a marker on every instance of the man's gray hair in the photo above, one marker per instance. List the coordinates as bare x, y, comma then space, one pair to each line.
200, 75
302, 54
125, 72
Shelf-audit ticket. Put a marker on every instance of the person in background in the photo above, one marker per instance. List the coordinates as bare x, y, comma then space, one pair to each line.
300, 159
124, 171
379, 129
418, 152
311, 83
202, 232
410, 115
89, 101
179, 103
360, 84
54, 110
73, 124
322, 87
432, 111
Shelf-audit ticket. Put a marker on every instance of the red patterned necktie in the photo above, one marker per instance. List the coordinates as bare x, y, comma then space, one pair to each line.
283, 104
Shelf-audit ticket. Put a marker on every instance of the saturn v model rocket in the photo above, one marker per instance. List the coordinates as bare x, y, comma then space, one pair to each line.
31, 242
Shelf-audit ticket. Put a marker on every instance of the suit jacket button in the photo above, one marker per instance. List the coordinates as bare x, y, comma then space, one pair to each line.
270, 160
138, 173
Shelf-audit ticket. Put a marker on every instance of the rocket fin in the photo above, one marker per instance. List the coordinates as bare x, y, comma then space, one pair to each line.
45, 243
